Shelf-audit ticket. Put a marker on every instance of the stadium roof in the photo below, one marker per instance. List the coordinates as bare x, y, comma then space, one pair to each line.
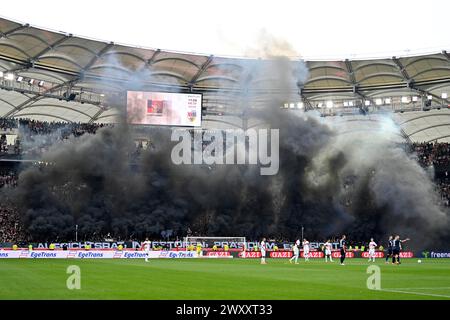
41, 68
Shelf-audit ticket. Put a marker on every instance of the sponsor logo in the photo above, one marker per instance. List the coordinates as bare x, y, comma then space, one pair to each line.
117, 254
218, 254
378, 254
281, 254
439, 254
4, 255
164, 254
90, 255
132, 255
39, 255
313, 254
181, 254
177, 254
348, 254
250, 254
406, 254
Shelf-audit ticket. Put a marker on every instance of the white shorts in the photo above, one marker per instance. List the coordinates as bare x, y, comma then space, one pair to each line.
263, 253
328, 252
306, 252
296, 253
371, 252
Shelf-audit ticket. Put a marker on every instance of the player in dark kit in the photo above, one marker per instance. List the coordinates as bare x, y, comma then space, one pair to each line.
343, 247
389, 248
396, 247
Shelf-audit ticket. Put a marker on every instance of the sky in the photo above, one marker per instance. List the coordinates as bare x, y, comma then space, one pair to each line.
321, 29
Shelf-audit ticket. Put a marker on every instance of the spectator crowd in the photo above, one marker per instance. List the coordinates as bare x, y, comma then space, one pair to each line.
437, 155
8, 123
33, 127
428, 154
10, 227
8, 180
32, 137
432, 153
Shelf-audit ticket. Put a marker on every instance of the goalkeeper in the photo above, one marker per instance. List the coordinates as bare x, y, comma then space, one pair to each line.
199, 249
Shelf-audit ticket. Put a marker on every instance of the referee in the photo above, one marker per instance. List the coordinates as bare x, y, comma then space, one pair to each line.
343, 247
397, 246
389, 248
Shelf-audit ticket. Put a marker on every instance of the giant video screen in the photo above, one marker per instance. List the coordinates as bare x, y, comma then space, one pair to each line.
163, 108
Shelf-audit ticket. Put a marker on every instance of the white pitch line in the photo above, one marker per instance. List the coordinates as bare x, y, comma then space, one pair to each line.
428, 288
417, 293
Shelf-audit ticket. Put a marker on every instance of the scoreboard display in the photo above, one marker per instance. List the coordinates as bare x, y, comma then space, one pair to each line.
164, 108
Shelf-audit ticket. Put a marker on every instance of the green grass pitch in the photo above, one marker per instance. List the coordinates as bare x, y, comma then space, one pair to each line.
222, 279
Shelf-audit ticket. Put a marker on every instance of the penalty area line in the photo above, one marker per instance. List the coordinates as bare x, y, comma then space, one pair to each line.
416, 293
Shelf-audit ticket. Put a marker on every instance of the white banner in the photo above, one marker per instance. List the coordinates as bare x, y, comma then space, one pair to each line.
94, 254
168, 245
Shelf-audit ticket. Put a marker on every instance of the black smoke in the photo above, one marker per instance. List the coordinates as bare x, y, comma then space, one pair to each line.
364, 186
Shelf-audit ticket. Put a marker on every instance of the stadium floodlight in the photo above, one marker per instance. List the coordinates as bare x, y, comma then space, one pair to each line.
19, 79
292, 105
378, 102
444, 95
367, 103
430, 97
1, 74
387, 100
350, 103
345, 103
41, 83
415, 98
286, 105
30, 82
9, 76
405, 99
300, 105
329, 104
320, 105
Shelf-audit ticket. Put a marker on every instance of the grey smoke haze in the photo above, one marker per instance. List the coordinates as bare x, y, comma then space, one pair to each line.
363, 185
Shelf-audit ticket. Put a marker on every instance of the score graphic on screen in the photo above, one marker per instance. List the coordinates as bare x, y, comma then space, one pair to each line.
163, 108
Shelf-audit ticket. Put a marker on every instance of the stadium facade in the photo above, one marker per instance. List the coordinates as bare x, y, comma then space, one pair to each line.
54, 76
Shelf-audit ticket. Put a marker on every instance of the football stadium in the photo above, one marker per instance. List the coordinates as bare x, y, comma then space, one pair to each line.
135, 173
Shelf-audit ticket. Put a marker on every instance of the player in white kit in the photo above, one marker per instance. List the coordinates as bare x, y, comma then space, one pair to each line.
263, 251
306, 249
296, 250
328, 247
372, 246
146, 244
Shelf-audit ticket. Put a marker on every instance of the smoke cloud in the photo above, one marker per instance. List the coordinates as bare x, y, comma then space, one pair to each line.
361, 184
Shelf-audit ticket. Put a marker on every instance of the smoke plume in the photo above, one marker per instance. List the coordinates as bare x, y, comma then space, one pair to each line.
363, 185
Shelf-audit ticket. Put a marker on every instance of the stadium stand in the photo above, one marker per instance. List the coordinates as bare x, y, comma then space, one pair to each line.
428, 154
432, 153
8, 180
436, 155
73, 92
10, 227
